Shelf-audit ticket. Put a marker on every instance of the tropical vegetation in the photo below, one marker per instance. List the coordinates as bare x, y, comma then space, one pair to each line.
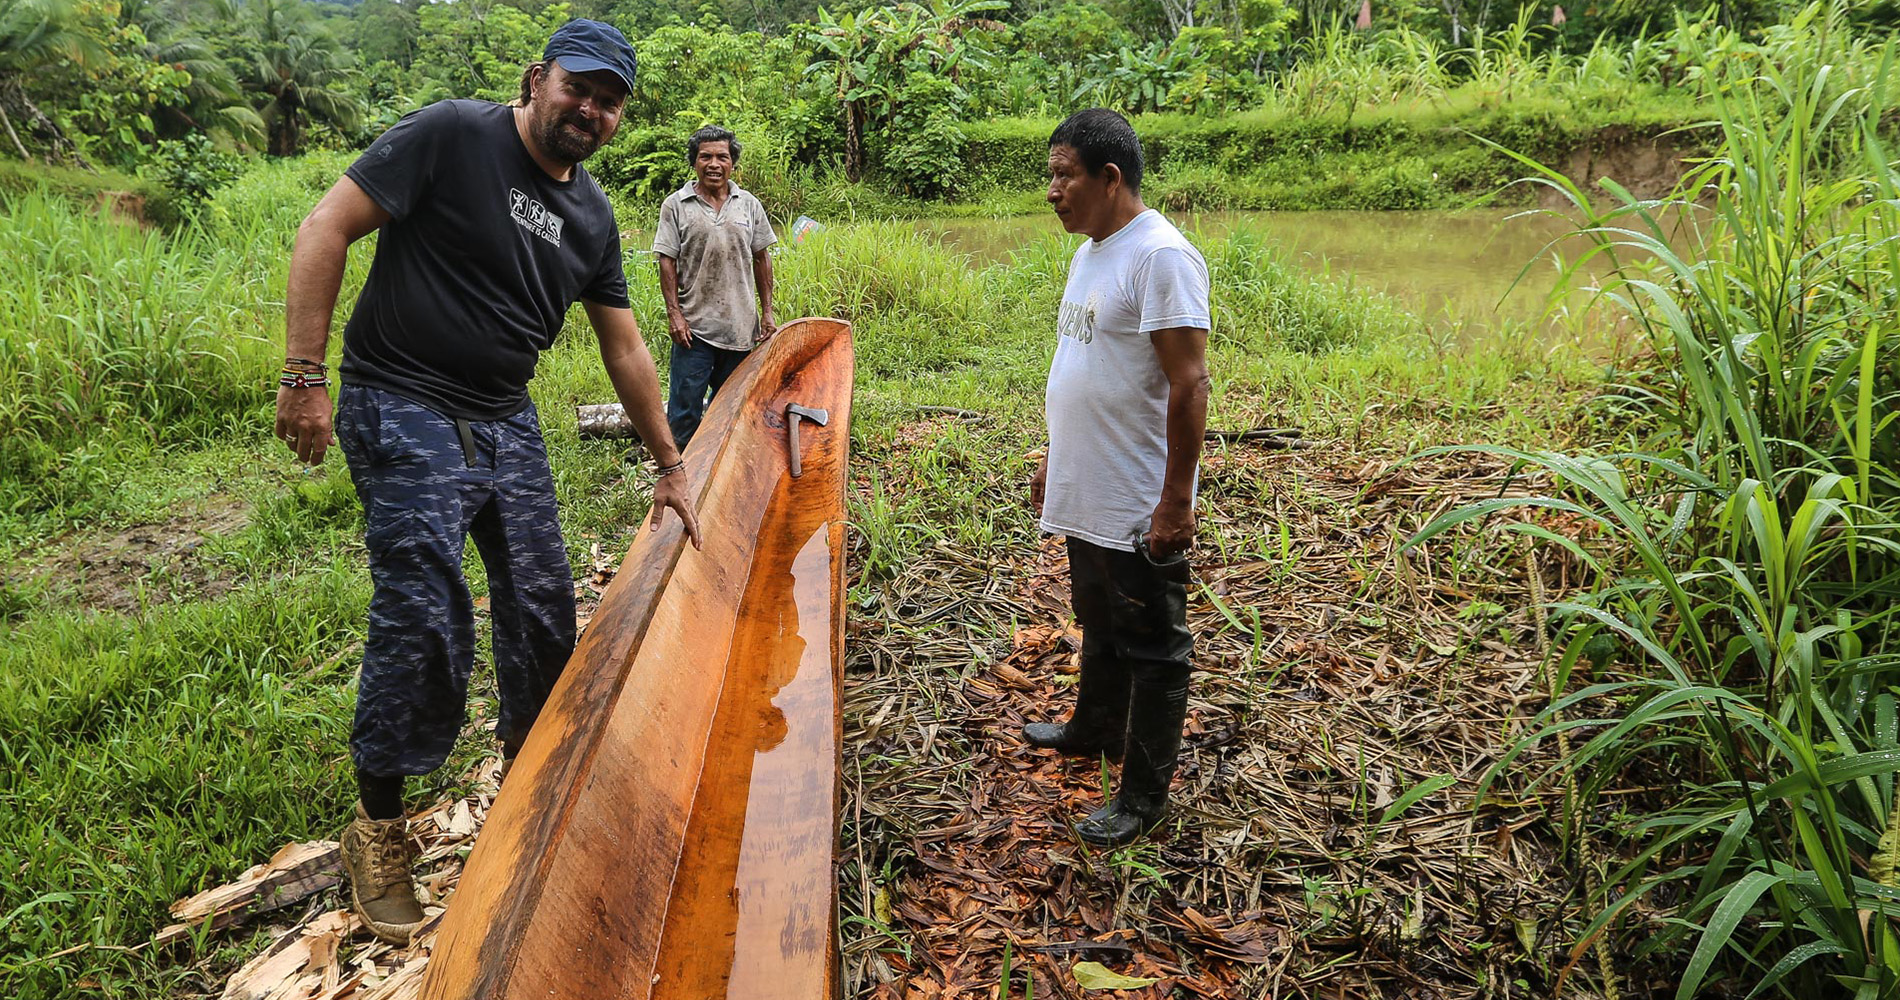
1741, 638
1716, 513
887, 99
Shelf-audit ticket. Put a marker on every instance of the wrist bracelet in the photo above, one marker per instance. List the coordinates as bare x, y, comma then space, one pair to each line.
662, 473
302, 380
306, 364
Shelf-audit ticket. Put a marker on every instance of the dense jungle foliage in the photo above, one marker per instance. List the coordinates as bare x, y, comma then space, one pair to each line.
921, 100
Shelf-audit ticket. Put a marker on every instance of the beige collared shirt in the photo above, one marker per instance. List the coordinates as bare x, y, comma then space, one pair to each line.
718, 291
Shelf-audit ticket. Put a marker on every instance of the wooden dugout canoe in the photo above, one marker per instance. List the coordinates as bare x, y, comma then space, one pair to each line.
669, 831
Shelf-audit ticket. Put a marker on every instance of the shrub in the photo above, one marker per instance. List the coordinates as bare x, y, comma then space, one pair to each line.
192, 169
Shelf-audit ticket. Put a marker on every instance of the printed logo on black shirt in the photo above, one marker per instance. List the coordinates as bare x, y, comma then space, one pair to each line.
535, 217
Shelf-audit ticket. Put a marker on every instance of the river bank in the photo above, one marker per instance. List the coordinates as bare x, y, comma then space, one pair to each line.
1420, 155
1443, 153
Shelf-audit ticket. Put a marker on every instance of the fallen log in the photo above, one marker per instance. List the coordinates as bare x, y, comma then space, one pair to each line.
608, 421
670, 828
1288, 438
604, 421
1257, 433
954, 411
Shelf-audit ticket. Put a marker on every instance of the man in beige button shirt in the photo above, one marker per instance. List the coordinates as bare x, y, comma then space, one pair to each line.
712, 245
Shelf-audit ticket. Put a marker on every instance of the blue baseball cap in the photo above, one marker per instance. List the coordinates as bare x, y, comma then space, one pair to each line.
583, 46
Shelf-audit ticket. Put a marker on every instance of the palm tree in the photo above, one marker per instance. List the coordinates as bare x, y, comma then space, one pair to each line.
33, 35
296, 66
214, 100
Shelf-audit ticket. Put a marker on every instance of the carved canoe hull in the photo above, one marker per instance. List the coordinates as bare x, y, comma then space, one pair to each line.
670, 828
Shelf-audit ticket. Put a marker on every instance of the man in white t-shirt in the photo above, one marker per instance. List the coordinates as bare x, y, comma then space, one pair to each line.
1127, 407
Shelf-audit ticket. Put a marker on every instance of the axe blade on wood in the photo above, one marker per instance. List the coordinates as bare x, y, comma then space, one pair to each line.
793, 412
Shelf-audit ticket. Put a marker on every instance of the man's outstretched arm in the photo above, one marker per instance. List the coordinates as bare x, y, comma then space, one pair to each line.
344, 216
637, 383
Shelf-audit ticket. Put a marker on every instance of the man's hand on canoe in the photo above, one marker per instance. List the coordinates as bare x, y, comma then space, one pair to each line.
670, 491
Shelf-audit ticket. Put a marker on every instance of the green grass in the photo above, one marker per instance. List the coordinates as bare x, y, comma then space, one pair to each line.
155, 753
89, 188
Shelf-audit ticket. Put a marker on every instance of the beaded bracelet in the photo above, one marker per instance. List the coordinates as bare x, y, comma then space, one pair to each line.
302, 380
678, 466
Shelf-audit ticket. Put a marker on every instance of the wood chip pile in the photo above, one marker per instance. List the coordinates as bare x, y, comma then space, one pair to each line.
322, 952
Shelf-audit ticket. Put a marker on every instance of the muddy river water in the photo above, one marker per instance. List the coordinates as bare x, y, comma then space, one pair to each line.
1464, 273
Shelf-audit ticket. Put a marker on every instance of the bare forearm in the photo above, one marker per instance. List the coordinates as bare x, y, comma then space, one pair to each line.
1187, 424
343, 216
630, 367
670, 285
316, 275
637, 385
762, 277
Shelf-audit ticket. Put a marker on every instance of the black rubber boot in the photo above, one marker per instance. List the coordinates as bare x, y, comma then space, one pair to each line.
1116, 825
1155, 719
1099, 724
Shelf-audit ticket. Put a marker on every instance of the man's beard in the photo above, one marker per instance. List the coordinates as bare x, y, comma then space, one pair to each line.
563, 144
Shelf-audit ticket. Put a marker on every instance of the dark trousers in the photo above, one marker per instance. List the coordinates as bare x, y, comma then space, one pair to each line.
426, 488
694, 374
1136, 657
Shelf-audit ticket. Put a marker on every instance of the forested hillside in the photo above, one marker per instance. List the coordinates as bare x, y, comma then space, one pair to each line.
863, 103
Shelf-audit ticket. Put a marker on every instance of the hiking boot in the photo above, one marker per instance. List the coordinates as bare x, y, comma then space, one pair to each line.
377, 854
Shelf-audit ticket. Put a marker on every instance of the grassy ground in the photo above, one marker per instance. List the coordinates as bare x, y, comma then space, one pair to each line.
183, 609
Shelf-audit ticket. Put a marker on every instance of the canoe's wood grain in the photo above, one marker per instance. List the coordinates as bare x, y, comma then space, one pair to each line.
669, 830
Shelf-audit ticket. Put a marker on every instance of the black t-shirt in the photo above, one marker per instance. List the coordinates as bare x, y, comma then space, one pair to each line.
476, 269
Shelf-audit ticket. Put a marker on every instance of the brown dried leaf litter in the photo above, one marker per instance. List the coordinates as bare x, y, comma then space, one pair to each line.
1333, 675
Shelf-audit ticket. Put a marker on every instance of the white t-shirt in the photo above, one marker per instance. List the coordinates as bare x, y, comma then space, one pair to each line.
1107, 403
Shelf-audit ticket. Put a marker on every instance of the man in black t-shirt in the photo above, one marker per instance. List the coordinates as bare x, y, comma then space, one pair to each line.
489, 231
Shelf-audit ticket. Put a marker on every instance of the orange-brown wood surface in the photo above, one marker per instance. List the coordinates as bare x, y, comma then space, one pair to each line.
669, 830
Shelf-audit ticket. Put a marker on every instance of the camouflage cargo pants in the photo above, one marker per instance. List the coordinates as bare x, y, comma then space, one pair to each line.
427, 484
